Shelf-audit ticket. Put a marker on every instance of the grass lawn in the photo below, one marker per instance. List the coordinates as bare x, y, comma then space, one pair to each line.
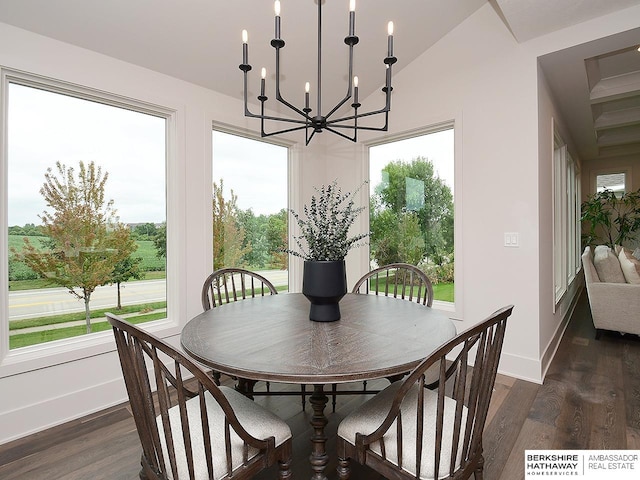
134, 313
77, 316
34, 338
441, 291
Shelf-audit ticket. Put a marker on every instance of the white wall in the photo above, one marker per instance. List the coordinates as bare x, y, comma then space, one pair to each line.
39, 391
477, 75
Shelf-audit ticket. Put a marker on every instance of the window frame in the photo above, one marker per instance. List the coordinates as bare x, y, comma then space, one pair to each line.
293, 187
230, 130
455, 309
56, 352
566, 201
626, 171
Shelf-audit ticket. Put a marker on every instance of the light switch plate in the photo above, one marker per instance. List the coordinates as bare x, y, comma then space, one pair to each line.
511, 239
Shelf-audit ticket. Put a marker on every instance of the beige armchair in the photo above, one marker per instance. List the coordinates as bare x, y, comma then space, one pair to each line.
614, 306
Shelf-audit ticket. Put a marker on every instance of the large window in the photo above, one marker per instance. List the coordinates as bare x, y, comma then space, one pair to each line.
86, 210
566, 217
412, 205
250, 215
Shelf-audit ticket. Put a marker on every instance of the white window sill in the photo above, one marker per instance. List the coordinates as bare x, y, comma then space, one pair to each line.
45, 355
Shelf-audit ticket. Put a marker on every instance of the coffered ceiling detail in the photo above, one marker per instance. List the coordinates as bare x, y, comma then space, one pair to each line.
614, 96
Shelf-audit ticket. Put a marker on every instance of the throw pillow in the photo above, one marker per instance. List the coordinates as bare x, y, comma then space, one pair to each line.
630, 267
607, 265
636, 253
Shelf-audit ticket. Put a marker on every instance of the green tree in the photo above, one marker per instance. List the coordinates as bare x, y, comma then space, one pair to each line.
85, 238
397, 238
145, 230
228, 235
277, 239
411, 191
127, 268
255, 240
29, 230
160, 241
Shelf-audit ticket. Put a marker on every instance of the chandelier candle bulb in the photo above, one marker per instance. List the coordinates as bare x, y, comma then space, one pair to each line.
276, 7
390, 42
306, 95
245, 47
355, 89
262, 80
352, 17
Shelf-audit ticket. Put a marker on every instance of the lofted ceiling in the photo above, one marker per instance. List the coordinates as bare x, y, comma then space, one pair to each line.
596, 85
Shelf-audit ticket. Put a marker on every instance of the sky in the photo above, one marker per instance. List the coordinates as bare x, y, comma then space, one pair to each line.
46, 127
255, 171
437, 147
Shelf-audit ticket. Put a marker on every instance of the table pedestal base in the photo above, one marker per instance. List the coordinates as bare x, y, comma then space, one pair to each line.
319, 457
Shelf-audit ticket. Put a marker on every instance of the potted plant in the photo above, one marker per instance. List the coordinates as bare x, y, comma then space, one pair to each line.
611, 219
323, 243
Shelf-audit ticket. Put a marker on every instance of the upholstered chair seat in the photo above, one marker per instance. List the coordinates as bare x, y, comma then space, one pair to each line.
368, 417
258, 422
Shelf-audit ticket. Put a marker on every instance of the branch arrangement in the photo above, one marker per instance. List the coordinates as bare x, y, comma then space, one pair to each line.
325, 230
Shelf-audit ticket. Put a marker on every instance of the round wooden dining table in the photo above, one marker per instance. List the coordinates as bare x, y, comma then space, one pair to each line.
271, 338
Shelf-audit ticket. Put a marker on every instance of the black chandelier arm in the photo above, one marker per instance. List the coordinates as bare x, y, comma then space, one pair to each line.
280, 119
384, 128
387, 89
247, 112
279, 96
353, 139
350, 78
309, 137
356, 127
386, 109
262, 116
279, 132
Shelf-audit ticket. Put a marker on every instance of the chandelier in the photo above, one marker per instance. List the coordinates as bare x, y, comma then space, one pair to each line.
315, 121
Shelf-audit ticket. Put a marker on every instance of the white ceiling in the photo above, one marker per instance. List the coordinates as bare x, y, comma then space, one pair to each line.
528, 19
200, 41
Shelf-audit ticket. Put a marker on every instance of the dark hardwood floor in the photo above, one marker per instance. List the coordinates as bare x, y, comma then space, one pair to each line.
590, 399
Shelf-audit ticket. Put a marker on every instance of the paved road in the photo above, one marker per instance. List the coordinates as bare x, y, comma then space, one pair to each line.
36, 303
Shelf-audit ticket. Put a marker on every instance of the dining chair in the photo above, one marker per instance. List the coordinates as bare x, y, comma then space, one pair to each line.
408, 431
233, 284
398, 280
190, 428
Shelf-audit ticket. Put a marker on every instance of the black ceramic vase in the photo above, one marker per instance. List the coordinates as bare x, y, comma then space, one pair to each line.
324, 283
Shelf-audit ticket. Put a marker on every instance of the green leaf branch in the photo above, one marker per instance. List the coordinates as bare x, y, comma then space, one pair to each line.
326, 223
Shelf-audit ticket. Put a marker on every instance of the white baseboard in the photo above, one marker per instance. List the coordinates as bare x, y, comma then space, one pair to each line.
35, 417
